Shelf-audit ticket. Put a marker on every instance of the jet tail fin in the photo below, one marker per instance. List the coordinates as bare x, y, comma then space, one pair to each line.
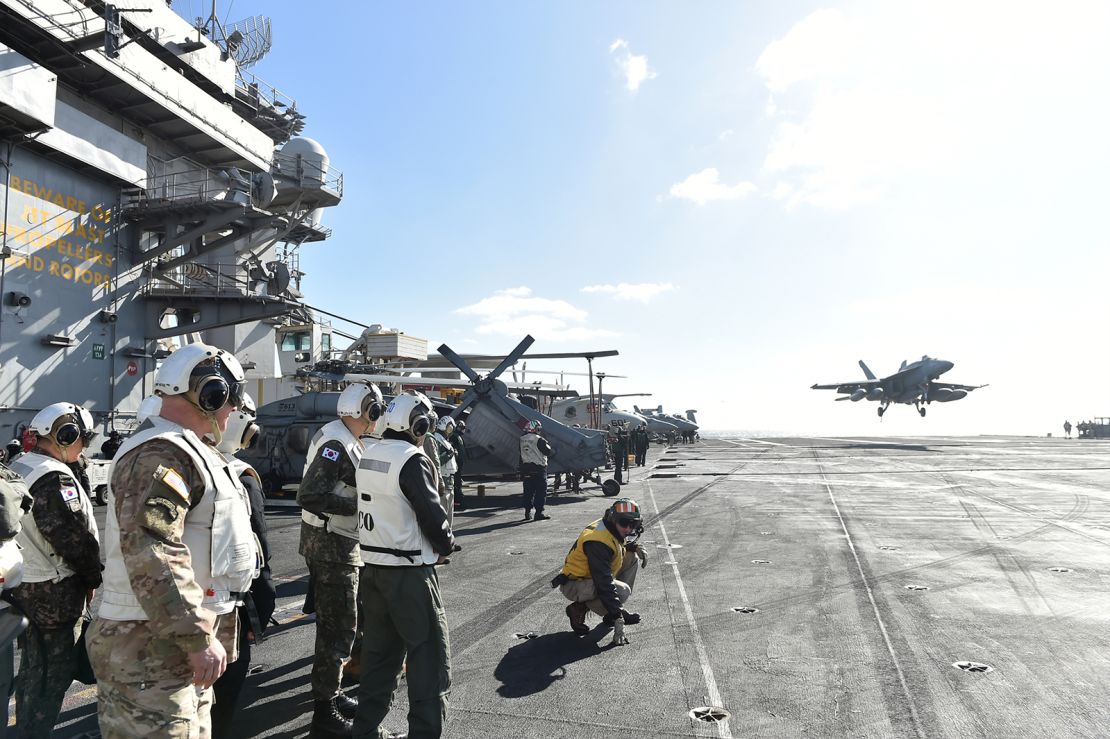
868, 373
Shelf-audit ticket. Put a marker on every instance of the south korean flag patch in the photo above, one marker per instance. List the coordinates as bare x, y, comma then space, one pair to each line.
330, 454
71, 497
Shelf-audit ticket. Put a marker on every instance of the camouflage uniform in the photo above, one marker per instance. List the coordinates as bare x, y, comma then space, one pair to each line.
15, 501
48, 658
144, 678
334, 565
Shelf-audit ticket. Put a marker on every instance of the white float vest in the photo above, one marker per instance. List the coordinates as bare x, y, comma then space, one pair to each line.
451, 466
40, 562
11, 567
223, 549
240, 468
389, 533
530, 450
335, 431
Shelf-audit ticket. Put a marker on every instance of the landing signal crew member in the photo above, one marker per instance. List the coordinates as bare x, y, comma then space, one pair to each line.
600, 570
403, 533
641, 440
15, 503
618, 443
180, 556
329, 544
448, 464
111, 445
61, 563
534, 451
459, 442
14, 449
258, 604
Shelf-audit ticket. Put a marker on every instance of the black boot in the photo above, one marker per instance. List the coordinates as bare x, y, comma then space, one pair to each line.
347, 705
328, 722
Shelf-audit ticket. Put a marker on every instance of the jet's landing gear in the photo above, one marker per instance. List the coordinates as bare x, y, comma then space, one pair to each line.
921, 411
882, 410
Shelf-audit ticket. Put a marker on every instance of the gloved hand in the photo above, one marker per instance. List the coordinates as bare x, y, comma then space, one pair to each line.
630, 618
639, 552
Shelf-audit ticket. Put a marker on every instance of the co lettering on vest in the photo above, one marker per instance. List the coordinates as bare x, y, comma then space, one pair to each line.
365, 521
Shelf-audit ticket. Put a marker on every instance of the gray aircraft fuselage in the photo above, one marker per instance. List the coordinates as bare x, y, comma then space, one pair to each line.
914, 384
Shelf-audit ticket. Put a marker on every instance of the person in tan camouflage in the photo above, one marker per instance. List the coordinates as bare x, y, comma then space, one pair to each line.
61, 564
180, 555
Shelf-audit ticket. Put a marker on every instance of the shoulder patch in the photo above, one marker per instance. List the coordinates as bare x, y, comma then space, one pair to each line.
331, 454
69, 492
172, 479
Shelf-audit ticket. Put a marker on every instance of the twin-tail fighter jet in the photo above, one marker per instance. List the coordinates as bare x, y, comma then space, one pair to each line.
913, 384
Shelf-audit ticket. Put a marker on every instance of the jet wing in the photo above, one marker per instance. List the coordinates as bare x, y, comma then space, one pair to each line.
849, 387
954, 386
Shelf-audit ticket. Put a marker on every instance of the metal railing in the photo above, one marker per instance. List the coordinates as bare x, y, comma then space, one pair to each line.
194, 185
307, 173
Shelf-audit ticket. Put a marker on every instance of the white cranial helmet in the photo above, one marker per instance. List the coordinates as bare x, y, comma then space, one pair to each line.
241, 428
151, 406
445, 425
208, 376
361, 400
409, 413
64, 424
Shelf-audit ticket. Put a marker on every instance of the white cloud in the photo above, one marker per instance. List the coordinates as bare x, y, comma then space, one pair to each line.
642, 292
516, 312
890, 93
705, 185
634, 67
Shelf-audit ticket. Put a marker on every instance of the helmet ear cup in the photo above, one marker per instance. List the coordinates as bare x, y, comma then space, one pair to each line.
250, 435
67, 434
420, 425
211, 391
372, 409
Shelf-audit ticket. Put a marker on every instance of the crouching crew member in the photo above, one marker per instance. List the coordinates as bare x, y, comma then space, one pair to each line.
180, 556
329, 543
403, 533
61, 564
600, 570
258, 604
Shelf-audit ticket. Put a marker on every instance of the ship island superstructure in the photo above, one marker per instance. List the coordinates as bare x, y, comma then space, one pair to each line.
153, 192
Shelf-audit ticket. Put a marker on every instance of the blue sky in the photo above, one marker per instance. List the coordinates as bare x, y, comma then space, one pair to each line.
759, 194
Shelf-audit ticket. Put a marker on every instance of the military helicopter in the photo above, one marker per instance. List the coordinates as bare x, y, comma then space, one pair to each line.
494, 422
572, 410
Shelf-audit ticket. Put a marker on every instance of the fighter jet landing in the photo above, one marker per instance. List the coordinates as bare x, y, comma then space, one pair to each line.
880, 587
913, 384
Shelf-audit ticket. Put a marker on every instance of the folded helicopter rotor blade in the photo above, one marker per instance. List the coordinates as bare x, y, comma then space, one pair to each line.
513, 356
458, 361
468, 399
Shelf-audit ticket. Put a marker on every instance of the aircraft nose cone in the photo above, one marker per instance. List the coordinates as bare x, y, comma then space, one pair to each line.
945, 366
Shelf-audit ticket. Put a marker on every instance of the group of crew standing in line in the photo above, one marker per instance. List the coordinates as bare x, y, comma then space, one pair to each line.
185, 588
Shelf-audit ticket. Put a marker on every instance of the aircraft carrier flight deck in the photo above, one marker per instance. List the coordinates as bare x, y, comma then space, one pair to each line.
865, 587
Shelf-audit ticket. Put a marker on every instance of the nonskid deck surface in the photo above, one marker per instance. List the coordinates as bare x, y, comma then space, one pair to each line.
814, 586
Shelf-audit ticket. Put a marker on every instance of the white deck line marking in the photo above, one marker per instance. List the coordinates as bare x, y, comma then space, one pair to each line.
754, 441
703, 656
878, 616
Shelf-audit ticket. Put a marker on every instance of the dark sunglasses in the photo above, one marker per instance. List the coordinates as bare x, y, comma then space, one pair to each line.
627, 522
